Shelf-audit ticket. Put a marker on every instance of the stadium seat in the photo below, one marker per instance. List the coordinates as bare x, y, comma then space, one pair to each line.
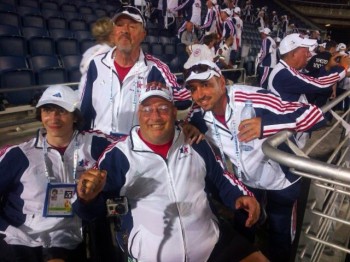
85, 44
52, 76
66, 7
10, 18
42, 62
78, 24
72, 65
101, 12
29, 32
12, 62
18, 78
151, 39
31, 3
157, 50
180, 48
7, 7
41, 46
72, 15
47, 13
146, 47
9, 30
169, 51
56, 22
67, 46
12, 45
58, 33
165, 40
33, 21
27, 10
49, 5
90, 18
85, 10
82, 34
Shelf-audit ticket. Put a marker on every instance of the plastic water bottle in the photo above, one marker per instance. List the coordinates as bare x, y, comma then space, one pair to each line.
248, 112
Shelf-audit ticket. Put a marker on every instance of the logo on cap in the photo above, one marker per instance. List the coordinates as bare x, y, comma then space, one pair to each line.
57, 95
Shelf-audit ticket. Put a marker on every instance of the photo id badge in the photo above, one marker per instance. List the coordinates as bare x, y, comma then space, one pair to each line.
58, 200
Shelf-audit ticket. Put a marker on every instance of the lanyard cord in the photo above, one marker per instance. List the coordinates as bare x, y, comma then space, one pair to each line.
48, 172
235, 139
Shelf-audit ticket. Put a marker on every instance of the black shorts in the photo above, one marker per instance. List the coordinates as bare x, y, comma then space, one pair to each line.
231, 246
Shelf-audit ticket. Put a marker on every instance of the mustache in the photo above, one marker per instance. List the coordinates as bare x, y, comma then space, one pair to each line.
127, 35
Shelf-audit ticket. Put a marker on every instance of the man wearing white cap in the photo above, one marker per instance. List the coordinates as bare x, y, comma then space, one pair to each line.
34, 225
287, 81
115, 79
212, 19
216, 113
267, 56
167, 182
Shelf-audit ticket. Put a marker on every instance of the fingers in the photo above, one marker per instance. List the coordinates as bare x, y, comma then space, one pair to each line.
249, 129
250, 205
91, 184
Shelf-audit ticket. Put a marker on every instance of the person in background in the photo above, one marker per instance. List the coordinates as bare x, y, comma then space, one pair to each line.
267, 58
189, 37
115, 79
34, 226
205, 50
216, 112
170, 216
102, 31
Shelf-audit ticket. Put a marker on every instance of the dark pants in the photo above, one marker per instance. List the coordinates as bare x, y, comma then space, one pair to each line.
281, 220
19, 253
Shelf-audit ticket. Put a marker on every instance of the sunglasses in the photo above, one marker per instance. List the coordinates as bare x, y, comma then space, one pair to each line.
197, 69
132, 10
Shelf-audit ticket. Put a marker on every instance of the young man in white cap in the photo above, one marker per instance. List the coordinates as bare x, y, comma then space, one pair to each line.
216, 113
115, 79
167, 182
33, 226
267, 56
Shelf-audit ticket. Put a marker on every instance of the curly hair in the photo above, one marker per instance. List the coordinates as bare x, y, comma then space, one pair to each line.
102, 29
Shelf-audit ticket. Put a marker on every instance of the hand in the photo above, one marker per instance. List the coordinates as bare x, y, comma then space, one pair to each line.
192, 134
91, 183
251, 205
249, 129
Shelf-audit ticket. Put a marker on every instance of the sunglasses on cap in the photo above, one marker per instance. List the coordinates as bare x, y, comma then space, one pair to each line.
132, 10
198, 69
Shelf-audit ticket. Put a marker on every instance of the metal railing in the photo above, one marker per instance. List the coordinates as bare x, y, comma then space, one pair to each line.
326, 221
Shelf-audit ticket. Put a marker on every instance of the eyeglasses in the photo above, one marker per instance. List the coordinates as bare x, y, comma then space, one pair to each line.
197, 69
148, 110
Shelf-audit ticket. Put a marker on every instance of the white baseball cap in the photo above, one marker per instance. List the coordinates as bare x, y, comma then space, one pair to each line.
227, 11
214, 2
341, 47
237, 10
201, 70
156, 90
60, 95
131, 12
293, 41
265, 31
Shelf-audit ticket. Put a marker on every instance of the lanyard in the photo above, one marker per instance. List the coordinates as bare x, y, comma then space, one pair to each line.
235, 139
48, 171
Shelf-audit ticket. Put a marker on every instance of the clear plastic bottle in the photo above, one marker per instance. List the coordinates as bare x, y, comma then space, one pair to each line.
247, 113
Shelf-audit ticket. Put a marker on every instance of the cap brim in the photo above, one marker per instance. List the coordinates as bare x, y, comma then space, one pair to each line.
202, 76
62, 104
136, 18
308, 42
157, 94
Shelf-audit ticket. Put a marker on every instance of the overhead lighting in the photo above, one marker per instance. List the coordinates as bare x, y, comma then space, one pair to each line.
327, 25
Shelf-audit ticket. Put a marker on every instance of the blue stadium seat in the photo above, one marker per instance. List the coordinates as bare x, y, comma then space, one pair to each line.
52, 76
34, 21
49, 5
151, 39
58, 33
169, 51
101, 12
12, 62
72, 63
56, 22
78, 24
10, 18
6, 7
72, 15
12, 45
43, 62
90, 18
85, 44
85, 10
67, 46
165, 40
157, 50
28, 10
180, 48
18, 78
29, 32
31, 3
146, 47
83, 34
67, 7
9, 30
47, 13
41, 46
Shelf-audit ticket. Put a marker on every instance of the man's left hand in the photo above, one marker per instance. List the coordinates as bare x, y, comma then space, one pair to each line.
249, 129
251, 205
192, 134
